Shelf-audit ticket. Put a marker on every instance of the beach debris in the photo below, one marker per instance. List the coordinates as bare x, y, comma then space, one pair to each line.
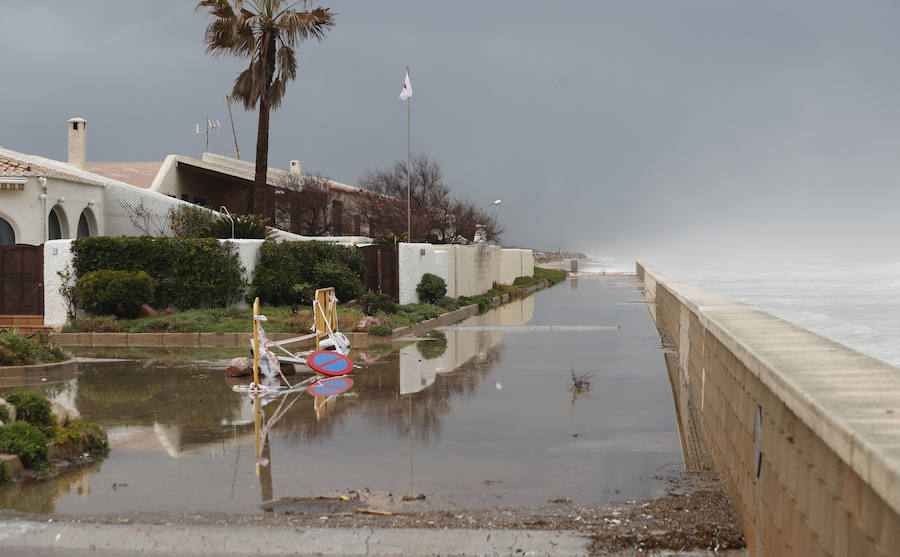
374, 511
419, 497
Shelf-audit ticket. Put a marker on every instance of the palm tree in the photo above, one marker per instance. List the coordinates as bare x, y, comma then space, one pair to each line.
266, 32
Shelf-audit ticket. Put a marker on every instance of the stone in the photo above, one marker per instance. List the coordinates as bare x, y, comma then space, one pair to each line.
63, 413
370, 321
13, 465
10, 409
146, 311
240, 367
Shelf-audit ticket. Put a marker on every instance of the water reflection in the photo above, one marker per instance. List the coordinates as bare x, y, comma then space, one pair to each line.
451, 414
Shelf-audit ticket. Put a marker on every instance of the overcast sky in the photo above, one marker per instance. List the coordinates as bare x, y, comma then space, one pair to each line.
662, 129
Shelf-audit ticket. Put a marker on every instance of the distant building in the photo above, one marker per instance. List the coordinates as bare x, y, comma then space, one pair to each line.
216, 181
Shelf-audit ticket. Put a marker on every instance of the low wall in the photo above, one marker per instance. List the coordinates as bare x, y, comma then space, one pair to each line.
805, 432
468, 270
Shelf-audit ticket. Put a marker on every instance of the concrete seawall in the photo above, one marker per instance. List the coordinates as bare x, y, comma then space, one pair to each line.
805, 432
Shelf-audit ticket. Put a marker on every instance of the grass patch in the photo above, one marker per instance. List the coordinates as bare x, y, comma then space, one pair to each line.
36, 349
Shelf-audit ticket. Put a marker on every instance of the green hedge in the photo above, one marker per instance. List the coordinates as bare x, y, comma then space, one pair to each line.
119, 293
321, 264
190, 272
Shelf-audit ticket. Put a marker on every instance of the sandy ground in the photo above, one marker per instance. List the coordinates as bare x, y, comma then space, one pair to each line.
695, 514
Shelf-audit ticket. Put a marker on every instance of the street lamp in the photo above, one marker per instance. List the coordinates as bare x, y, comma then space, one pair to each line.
497, 202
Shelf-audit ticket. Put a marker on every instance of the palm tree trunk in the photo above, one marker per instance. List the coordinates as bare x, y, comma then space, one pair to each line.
260, 193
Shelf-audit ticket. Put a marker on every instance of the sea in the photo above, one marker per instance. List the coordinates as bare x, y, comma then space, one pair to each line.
857, 305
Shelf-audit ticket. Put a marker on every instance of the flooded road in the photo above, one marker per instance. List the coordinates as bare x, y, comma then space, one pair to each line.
559, 395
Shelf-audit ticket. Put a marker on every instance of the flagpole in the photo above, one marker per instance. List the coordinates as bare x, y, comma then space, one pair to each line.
408, 158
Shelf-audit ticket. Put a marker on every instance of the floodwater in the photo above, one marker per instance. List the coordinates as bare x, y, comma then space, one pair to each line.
483, 414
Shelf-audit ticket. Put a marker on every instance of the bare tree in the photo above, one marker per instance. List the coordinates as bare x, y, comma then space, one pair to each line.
435, 215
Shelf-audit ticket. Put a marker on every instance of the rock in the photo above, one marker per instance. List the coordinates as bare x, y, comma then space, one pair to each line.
10, 409
146, 311
13, 465
370, 321
240, 367
64, 414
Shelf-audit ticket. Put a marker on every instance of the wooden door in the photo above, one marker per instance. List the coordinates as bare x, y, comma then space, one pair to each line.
22, 280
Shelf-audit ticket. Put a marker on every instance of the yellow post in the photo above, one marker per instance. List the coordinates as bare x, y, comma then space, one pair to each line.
256, 426
322, 313
256, 343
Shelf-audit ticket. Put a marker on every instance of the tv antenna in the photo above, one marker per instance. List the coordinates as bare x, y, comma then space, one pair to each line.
210, 126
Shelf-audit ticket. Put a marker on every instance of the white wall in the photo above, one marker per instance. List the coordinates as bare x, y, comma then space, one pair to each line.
415, 261
57, 254
468, 270
28, 213
516, 263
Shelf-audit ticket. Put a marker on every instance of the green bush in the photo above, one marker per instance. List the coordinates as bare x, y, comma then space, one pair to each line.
447, 303
431, 288
283, 264
347, 284
372, 303
4, 413
190, 272
119, 293
77, 437
380, 330
5, 478
27, 441
17, 351
552, 275
34, 408
245, 226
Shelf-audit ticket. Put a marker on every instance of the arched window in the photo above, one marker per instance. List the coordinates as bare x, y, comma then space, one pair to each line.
54, 230
84, 230
7, 234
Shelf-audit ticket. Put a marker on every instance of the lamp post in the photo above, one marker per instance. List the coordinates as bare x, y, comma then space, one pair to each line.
496, 202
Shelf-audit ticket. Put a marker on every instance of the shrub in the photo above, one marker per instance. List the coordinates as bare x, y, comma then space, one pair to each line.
552, 275
190, 272
191, 221
16, 350
448, 303
120, 293
431, 288
380, 330
281, 265
244, 226
27, 441
77, 437
4, 413
347, 284
372, 303
5, 478
34, 408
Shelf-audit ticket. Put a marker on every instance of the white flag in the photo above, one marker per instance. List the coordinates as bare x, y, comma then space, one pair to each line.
407, 89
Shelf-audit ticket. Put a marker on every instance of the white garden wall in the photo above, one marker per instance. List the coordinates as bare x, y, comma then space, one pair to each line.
469, 270
415, 261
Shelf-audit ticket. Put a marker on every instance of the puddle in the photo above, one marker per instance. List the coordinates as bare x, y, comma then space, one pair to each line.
470, 416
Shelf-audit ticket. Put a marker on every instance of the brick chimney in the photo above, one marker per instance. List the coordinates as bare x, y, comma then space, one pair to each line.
78, 142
